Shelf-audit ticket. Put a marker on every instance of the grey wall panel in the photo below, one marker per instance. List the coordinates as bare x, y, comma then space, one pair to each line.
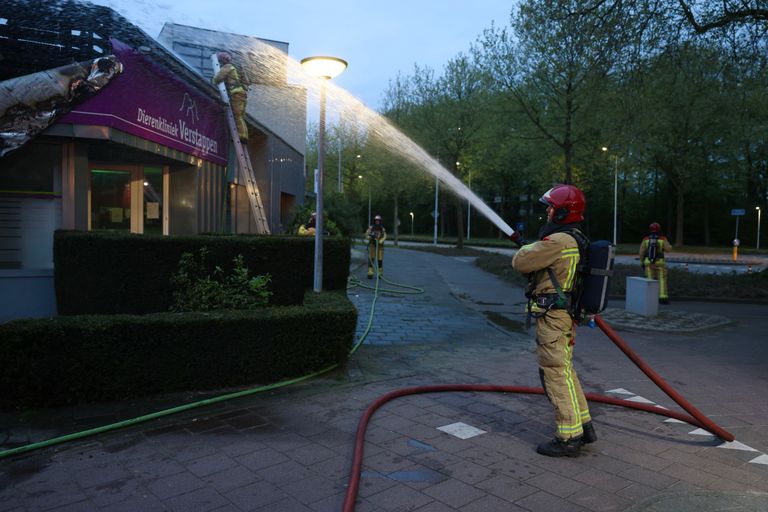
183, 198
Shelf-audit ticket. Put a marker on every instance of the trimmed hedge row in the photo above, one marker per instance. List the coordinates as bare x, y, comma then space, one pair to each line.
98, 273
110, 357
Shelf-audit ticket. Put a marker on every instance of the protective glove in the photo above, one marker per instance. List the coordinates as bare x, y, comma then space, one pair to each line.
517, 239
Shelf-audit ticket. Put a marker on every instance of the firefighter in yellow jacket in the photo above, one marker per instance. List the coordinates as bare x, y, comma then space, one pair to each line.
652, 250
376, 235
238, 96
310, 228
551, 267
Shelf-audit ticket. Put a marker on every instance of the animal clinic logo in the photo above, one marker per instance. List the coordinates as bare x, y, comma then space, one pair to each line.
189, 107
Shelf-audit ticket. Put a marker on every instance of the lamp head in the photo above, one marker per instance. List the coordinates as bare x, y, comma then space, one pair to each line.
324, 66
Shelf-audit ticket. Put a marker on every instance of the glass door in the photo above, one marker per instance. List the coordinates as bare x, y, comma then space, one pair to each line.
110, 200
153, 200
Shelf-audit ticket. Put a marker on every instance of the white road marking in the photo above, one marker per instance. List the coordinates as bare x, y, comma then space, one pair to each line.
736, 445
732, 445
620, 391
641, 400
461, 430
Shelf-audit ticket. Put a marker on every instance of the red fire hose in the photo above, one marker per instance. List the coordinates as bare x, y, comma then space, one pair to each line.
696, 418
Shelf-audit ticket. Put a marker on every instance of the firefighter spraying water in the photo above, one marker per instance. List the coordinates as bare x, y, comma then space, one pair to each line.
376, 235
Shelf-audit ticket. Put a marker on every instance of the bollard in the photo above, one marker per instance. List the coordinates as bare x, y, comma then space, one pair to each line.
749, 269
686, 266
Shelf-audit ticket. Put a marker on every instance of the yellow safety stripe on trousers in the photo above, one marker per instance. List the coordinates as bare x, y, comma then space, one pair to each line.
573, 258
568, 366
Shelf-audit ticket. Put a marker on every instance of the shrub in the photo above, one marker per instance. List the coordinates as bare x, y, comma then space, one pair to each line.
98, 273
111, 357
198, 290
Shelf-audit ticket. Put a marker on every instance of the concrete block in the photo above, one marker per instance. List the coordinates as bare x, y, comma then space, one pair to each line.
642, 296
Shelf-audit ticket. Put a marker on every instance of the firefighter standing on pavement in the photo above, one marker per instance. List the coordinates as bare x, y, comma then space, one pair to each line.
551, 265
238, 96
376, 235
652, 250
310, 227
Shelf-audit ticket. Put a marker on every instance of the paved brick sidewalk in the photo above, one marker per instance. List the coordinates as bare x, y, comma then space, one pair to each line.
290, 449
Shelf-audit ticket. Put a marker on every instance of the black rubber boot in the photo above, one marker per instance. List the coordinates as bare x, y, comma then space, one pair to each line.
590, 436
560, 448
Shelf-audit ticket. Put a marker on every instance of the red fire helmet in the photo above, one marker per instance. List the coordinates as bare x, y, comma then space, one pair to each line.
568, 202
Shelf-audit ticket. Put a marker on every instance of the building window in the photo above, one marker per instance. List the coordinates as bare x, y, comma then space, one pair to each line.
127, 198
30, 206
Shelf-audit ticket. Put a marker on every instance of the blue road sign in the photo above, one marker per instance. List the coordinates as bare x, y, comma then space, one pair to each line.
736, 212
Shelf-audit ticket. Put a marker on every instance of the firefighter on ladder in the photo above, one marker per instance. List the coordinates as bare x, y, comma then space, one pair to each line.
652, 250
551, 265
376, 235
238, 96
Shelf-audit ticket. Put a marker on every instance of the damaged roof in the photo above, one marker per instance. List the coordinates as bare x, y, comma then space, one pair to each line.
37, 35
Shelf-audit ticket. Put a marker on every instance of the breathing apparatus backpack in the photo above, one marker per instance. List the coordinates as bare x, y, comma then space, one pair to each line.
589, 295
653, 247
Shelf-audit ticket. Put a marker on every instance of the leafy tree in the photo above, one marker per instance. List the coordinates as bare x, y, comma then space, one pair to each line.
552, 63
715, 15
445, 113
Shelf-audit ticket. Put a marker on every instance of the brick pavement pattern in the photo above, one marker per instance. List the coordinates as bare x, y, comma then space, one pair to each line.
290, 449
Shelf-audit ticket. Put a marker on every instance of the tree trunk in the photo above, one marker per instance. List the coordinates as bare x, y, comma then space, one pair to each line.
567, 141
707, 236
459, 223
680, 206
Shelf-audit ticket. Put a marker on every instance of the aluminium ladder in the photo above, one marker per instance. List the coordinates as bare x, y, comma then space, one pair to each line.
243, 162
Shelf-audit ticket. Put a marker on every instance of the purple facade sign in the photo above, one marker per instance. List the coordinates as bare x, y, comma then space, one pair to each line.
146, 100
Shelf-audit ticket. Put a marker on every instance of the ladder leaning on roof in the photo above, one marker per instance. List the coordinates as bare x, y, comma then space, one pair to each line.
243, 161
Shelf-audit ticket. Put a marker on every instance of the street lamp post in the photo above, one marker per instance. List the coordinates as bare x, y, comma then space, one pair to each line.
324, 68
758, 225
412, 225
615, 193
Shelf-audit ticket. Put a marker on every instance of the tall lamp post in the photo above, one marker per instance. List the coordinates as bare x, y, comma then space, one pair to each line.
758, 225
324, 68
615, 192
412, 225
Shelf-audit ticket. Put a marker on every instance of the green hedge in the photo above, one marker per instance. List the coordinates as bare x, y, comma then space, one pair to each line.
110, 357
99, 273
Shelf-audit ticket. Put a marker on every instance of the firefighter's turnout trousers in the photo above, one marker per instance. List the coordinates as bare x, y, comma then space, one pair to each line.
238, 100
555, 336
657, 270
375, 252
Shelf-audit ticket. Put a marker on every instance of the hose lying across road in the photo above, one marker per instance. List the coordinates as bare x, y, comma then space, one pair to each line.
696, 418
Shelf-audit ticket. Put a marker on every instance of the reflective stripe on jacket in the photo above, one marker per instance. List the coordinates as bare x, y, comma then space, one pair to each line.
558, 251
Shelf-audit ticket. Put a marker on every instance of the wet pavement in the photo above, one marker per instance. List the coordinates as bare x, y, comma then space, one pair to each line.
290, 449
